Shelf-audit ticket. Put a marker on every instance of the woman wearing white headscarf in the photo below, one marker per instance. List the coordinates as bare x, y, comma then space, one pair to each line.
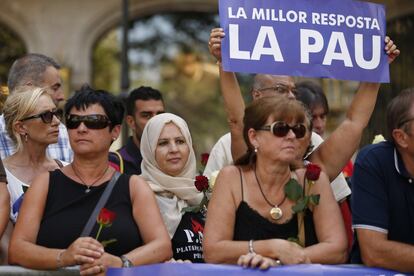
169, 167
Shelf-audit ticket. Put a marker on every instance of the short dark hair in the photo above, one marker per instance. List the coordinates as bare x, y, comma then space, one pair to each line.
87, 96
143, 93
29, 68
398, 111
311, 95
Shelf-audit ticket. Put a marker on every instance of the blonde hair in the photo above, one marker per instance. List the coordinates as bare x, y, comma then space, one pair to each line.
18, 106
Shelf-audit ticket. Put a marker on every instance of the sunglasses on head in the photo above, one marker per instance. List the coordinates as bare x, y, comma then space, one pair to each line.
47, 116
281, 129
93, 121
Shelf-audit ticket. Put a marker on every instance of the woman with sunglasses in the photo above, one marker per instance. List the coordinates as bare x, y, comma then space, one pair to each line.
250, 219
169, 167
32, 121
129, 230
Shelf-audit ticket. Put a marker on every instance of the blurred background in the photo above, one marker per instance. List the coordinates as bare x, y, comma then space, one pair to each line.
118, 45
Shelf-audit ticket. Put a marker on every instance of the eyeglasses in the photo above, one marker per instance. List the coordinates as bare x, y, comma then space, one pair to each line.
47, 116
281, 129
280, 89
93, 121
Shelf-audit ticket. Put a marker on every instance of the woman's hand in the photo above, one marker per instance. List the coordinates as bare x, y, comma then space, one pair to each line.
214, 43
290, 252
100, 265
256, 261
391, 49
82, 251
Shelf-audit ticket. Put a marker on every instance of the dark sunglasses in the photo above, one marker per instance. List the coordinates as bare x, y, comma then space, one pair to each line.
93, 121
281, 129
47, 116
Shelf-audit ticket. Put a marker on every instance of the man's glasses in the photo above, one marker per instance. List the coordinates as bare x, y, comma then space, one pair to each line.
93, 121
281, 129
47, 116
279, 89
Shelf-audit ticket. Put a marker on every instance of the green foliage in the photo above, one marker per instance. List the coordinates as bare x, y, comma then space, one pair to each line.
11, 48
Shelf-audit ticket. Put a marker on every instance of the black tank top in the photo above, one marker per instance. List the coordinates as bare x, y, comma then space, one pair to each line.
68, 208
250, 225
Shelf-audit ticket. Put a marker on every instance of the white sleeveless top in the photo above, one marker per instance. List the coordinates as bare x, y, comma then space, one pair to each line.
16, 189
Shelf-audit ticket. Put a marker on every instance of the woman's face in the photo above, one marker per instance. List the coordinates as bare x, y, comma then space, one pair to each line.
285, 149
39, 129
92, 139
172, 150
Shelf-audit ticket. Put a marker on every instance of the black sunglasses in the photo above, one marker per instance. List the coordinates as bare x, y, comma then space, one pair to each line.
281, 129
93, 121
47, 116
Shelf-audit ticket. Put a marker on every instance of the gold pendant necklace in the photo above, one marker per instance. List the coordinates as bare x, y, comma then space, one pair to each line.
275, 212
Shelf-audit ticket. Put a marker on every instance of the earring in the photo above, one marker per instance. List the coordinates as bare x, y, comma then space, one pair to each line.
25, 137
113, 138
255, 149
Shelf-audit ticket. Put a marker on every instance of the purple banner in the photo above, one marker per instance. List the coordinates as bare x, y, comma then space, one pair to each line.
339, 39
232, 270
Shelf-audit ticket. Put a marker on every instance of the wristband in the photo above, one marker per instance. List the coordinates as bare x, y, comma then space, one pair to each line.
126, 262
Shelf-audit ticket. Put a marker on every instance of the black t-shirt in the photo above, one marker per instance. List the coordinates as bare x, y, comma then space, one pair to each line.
187, 242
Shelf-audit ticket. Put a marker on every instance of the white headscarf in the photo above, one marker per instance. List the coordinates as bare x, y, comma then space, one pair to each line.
172, 192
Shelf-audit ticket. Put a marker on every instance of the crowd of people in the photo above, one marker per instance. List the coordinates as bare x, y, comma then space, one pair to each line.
280, 196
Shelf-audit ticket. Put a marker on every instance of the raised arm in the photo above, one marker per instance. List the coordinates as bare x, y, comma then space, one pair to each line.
333, 154
233, 100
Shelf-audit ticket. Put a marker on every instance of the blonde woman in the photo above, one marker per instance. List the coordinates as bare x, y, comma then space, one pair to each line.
32, 121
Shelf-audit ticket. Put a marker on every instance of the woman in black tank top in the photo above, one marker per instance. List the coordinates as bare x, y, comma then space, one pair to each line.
250, 218
129, 229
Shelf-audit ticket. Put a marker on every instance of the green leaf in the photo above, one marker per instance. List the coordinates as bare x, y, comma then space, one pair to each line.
105, 243
293, 190
194, 209
300, 205
314, 199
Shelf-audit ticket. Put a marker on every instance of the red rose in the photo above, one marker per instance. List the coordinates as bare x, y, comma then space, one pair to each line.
201, 183
106, 217
204, 158
312, 172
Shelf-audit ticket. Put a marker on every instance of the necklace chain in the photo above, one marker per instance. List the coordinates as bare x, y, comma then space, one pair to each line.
260, 188
88, 187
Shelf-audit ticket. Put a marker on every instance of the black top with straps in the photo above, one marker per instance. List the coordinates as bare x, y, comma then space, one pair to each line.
68, 208
250, 225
